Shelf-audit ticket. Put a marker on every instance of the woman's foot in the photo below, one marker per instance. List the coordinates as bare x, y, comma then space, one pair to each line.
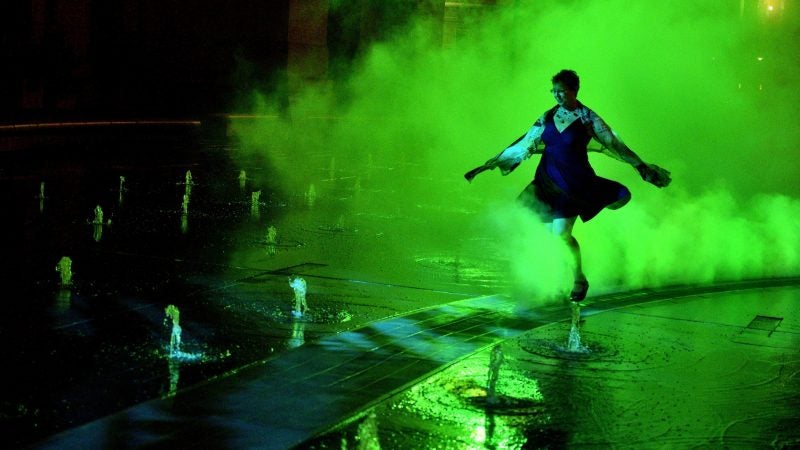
579, 289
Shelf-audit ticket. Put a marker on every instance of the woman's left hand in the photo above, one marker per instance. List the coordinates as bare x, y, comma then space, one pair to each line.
654, 175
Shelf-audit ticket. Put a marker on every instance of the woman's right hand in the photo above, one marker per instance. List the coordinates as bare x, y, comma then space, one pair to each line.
474, 172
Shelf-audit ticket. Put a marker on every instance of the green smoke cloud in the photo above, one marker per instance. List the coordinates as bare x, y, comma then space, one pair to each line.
707, 89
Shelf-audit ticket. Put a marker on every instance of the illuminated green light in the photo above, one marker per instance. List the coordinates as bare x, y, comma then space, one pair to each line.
414, 115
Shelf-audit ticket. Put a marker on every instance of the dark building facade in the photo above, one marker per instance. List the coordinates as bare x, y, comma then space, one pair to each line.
179, 58
133, 57
169, 58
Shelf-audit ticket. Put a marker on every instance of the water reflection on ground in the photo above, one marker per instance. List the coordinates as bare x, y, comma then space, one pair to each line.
202, 225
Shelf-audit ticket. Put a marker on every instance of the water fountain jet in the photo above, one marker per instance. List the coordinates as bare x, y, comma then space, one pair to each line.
174, 315
98, 216
97, 224
41, 197
185, 204
299, 286
64, 268
188, 183
121, 187
272, 235
574, 340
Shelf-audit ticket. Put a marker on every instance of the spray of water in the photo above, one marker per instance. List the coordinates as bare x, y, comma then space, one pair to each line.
300, 306
64, 269
242, 179
41, 197
173, 316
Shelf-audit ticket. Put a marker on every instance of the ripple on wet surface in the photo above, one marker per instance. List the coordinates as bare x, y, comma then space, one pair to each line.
603, 350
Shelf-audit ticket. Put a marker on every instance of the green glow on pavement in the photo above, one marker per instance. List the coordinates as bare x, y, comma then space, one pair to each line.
453, 404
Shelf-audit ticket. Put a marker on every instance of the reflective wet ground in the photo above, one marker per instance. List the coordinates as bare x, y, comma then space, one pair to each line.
73, 354
395, 348
714, 370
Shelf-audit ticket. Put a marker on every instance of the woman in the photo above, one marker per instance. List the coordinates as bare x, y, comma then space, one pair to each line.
565, 186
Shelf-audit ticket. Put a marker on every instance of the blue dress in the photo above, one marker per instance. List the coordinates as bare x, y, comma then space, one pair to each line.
565, 185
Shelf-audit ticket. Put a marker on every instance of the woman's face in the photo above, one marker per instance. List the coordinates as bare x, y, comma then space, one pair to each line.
564, 96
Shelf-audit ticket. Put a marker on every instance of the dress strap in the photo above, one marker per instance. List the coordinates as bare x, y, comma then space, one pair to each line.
548, 116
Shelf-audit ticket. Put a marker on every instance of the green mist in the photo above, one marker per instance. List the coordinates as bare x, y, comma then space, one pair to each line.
707, 89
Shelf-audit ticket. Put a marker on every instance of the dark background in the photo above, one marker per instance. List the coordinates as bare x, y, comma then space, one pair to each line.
179, 58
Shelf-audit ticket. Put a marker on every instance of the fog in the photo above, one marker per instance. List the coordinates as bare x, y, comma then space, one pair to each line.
707, 89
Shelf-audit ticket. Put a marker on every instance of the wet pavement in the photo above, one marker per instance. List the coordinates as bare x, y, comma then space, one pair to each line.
689, 370
395, 348
694, 367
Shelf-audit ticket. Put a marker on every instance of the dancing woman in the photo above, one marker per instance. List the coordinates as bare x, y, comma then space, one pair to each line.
565, 186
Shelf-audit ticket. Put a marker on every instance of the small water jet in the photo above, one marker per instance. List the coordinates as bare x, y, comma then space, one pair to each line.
41, 197
299, 286
185, 204
242, 179
121, 187
98, 216
173, 315
97, 224
495, 361
174, 351
187, 189
272, 240
272, 235
184, 223
64, 268
188, 182
574, 340
255, 205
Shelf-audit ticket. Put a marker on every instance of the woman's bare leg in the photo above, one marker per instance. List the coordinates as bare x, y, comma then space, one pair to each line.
563, 228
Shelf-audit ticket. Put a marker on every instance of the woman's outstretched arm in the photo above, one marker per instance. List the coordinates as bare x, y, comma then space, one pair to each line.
511, 157
614, 147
